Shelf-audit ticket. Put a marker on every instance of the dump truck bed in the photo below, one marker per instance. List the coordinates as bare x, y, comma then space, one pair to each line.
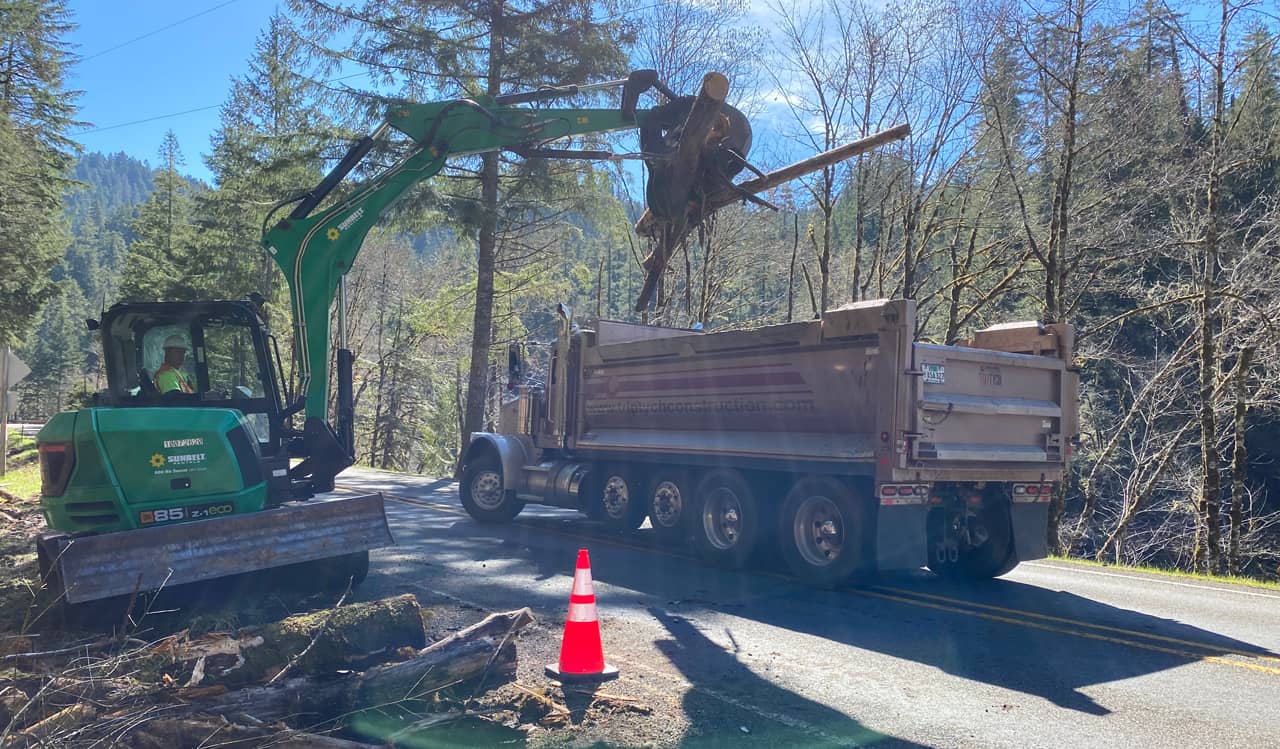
852, 392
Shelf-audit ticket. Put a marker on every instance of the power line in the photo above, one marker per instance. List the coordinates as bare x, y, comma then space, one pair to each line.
206, 11
148, 119
185, 111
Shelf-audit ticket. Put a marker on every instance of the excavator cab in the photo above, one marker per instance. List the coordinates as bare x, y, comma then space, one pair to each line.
226, 359
180, 470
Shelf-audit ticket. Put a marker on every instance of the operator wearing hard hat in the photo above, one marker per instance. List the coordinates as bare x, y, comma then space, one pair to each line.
169, 376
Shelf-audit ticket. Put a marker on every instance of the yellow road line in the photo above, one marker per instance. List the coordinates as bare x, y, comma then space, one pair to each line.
956, 609
1073, 632
1081, 623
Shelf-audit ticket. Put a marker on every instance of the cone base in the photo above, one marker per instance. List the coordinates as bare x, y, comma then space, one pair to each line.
609, 672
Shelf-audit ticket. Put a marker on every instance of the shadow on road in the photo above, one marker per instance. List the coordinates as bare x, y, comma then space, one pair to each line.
1000, 633
721, 675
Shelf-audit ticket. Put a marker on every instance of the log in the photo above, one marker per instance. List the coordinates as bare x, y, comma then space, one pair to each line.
253, 654
680, 175
670, 232
465, 656
63, 721
649, 225
683, 168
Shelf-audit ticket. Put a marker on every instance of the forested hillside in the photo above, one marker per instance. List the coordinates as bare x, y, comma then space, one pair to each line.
1109, 166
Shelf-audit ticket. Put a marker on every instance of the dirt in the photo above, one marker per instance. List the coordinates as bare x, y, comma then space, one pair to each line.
526, 712
20, 523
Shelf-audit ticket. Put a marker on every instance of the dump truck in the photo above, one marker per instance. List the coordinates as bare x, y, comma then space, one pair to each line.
844, 440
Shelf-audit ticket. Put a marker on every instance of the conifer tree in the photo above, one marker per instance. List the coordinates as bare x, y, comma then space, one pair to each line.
429, 50
35, 112
159, 265
269, 145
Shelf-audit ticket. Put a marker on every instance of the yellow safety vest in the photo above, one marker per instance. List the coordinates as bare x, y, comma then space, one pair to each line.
167, 379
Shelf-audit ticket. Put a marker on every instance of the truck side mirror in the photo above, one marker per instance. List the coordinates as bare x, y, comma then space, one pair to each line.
515, 366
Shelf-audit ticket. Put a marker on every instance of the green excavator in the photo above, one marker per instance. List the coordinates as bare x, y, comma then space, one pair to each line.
190, 465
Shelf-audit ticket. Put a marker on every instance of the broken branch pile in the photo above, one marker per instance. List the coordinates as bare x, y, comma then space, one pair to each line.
187, 690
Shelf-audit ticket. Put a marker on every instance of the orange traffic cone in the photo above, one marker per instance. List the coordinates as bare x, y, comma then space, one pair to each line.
581, 654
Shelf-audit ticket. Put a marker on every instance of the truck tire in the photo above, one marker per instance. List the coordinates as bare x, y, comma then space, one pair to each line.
617, 498
727, 520
992, 558
669, 498
484, 494
821, 531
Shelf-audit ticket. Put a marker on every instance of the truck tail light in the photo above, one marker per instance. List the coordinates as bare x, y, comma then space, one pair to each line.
56, 461
904, 494
1032, 492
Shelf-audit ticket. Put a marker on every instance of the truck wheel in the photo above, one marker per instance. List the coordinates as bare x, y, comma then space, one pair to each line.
484, 495
669, 511
726, 523
616, 498
993, 556
821, 531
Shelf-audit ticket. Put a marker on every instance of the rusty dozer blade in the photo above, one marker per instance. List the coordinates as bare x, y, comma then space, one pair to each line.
89, 568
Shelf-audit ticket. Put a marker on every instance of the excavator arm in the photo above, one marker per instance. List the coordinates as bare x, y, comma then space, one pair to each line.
315, 247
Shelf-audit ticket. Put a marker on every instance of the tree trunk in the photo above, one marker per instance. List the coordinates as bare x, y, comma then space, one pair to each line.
486, 255
1208, 539
1239, 461
465, 656
791, 272
349, 634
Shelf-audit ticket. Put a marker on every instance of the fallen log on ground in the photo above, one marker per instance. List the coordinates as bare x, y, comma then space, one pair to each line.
331, 640
479, 652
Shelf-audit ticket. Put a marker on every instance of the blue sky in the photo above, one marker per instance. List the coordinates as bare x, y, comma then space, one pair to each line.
134, 89
186, 67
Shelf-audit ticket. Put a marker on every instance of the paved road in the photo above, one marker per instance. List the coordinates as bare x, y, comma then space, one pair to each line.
24, 429
1052, 655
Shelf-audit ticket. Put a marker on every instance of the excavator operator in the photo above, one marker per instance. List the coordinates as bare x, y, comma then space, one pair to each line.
169, 376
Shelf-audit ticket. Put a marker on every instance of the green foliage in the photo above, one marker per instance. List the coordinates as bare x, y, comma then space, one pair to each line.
1255, 139
56, 352
270, 146
161, 264
30, 236
37, 110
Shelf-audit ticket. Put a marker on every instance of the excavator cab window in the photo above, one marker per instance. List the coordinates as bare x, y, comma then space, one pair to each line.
225, 361
153, 353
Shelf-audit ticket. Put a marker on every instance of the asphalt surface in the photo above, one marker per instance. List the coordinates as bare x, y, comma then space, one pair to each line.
1052, 655
24, 429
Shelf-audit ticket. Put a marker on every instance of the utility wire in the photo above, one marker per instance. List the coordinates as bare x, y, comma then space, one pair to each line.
185, 111
204, 12
148, 119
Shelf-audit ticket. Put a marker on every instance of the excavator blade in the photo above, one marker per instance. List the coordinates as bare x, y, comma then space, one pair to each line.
89, 568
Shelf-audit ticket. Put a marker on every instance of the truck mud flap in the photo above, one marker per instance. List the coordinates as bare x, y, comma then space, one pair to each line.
1030, 530
89, 568
901, 538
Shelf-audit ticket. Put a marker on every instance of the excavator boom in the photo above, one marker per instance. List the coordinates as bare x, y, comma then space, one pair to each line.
314, 249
